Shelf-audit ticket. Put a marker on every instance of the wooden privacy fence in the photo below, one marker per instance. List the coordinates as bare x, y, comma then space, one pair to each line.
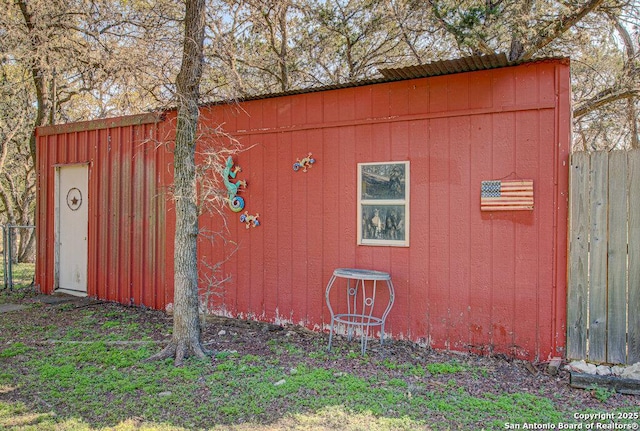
603, 315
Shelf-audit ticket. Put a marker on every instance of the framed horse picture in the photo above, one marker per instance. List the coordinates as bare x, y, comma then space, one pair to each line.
383, 204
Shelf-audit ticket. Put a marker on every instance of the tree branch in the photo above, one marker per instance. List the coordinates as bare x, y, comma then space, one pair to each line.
562, 25
605, 97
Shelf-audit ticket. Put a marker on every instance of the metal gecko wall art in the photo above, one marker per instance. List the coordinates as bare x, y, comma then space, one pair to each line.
304, 163
250, 220
236, 203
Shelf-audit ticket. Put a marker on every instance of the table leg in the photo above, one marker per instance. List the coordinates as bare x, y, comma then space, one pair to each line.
331, 328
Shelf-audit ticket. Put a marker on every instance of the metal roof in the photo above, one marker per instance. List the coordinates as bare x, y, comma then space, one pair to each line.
103, 123
302, 91
436, 68
447, 67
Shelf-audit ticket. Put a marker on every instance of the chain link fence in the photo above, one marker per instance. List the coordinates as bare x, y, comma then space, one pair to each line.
18, 257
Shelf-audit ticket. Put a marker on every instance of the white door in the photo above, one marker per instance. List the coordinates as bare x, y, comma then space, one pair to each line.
72, 228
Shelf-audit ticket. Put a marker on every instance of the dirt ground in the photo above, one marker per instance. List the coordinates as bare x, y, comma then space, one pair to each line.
499, 374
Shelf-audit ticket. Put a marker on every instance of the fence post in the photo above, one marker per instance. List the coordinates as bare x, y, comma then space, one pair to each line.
4, 256
634, 258
10, 257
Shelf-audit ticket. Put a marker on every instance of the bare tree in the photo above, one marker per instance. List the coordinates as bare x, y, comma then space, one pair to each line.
186, 323
226, 77
72, 60
351, 39
17, 174
271, 20
416, 30
257, 45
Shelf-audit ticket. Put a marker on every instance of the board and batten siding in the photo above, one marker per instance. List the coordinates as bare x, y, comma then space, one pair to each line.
604, 257
470, 280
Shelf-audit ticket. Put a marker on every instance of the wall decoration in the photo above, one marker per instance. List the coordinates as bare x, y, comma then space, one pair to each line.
236, 203
506, 195
304, 163
250, 220
74, 199
383, 203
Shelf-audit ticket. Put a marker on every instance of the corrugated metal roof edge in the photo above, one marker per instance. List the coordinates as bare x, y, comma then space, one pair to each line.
460, 65
437, 68
103, 123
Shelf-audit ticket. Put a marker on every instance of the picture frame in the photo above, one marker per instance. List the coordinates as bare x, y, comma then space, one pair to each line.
383, 204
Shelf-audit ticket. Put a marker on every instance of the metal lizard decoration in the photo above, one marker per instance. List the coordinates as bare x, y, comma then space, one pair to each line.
305, 163
236, 203
250, 220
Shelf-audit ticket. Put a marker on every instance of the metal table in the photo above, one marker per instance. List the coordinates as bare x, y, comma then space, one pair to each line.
362, 286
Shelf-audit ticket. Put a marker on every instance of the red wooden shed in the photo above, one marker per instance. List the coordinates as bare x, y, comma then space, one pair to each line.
401, 165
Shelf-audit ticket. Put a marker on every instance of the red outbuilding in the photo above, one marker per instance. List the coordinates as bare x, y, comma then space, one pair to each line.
452, 177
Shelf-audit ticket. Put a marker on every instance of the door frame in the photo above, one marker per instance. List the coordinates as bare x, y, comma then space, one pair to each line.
56, 223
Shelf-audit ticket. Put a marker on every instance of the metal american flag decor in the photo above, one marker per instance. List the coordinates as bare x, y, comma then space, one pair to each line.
506, 195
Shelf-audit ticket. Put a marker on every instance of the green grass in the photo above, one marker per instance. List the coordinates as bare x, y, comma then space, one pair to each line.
90, 378
22, 275
76, 379
445, 368
14, 349
602, 394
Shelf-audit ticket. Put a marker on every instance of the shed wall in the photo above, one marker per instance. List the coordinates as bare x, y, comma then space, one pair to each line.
127, 259
470, 280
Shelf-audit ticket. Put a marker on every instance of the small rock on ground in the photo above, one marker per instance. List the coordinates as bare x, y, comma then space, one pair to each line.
6, 308
632, 371
582, 367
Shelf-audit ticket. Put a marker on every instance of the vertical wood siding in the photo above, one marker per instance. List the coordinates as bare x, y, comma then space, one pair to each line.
604, 282
470, 280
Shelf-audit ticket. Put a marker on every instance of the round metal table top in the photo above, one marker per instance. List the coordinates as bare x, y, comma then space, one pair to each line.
361, 274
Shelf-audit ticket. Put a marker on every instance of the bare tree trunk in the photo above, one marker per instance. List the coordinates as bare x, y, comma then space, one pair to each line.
186, 322
283, 51
40, 78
